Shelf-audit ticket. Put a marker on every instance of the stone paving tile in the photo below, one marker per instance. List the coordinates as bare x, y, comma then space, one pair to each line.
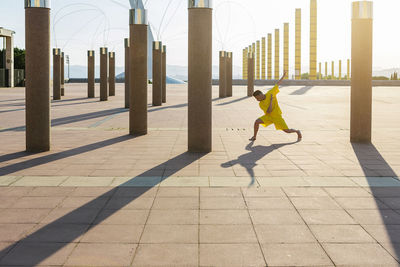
282, 181
136, 181
31, 254
341, 234
51, 191
384, 233
14, 232
171, 234
101, 255
393, 249
166, 255
295, 255
93, 191
231, 255
176, 203
86, 202
6, 202
126, 217
8, 180
220, 192
233, 181
185, 181
359, 255
384, 191
305, 192
275, 217
375, 216
393, 203
71, 216
315, 203
177, 217
5, 247
135, 192
284, 234
87, 181
281, 203
16, 191
113, 234
376, 181
132, 203
37, 202
26, 216
57, 233
220, 203
347, 192
326, 217
227, 234
361, 203
224, 217
263, 192
40, 181
191, 192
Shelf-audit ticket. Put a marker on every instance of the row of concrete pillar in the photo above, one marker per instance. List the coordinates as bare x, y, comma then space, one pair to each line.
225, 74
37, 17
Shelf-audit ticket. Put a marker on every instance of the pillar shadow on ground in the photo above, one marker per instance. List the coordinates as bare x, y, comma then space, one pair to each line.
249, 160
368, 157
233, 101
75, 118
302, 90
59, 231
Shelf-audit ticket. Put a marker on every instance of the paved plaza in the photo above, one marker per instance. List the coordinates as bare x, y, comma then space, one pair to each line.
103, 198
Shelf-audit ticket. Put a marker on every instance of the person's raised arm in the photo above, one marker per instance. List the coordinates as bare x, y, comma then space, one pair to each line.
283, 77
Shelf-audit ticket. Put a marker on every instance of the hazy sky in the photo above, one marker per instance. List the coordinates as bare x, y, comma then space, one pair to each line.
236, 25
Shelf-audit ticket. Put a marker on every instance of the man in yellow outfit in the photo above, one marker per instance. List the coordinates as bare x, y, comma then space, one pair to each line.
273, 114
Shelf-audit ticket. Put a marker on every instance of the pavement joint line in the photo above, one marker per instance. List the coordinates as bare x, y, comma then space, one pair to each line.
190, 181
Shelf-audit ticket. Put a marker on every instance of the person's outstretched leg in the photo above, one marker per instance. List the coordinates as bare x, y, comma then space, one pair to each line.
256, 127
299, 135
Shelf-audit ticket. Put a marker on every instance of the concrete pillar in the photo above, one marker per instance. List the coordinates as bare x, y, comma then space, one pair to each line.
62, 74
127, 72
56, 74
103, 74
361, 72
348, 69
258, 57
164, 74
157, 73
111, 73
340, 69
10, 59
222, 74
250, 75
298, 45
277, 54
319, 72
313, 39
245, 52
200, 75
286, 49
333, 70
326, 70
138, 71
37, 65
263, 51
91, 71
269, 68
229, 68
254, 50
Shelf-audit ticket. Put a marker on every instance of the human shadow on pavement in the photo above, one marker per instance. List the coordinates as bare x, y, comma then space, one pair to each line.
249, 160
68, 227
375, 167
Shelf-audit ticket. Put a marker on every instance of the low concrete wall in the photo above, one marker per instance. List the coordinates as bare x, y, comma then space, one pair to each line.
310, 83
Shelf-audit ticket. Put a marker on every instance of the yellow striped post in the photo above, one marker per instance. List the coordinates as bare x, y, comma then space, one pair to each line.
269, 68
258, 57
298, 45
286, 49
340, 69
348, 69
320, 72
326, 70
277, 54
333, 70
313, 39
263, 58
